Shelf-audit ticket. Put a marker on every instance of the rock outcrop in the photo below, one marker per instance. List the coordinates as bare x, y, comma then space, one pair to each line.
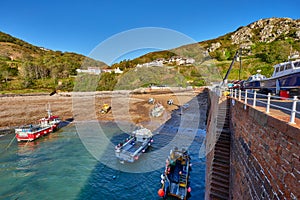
267, 30
264, 30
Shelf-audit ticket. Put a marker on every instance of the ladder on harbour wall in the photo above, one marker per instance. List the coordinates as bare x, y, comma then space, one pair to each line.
220, 173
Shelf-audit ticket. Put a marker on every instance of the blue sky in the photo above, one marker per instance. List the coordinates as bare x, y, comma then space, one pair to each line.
79, 26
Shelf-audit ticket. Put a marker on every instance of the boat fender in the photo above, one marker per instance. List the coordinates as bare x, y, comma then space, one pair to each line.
189, 189
161, 192
168, 170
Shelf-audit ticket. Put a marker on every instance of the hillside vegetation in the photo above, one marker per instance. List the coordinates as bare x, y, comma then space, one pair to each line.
25, 67
263, 44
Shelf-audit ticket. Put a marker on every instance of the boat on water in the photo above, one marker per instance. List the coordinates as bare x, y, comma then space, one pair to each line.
134, 146
45, 126
285, 77
175, 179
157, 110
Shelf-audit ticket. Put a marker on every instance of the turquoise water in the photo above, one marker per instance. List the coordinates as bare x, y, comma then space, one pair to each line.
58, 166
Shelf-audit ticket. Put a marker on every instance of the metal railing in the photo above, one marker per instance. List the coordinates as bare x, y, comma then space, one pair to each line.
287, 105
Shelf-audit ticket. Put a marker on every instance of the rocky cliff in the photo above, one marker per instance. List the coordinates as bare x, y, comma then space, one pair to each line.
264, 30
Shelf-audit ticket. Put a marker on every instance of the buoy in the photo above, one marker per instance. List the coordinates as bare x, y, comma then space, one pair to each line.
114, 177
189, 189
161, 192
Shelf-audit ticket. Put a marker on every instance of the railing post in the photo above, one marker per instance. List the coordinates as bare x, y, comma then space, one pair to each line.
240, 95
235, 93
293, 113
268, 103
254, 99
246, 95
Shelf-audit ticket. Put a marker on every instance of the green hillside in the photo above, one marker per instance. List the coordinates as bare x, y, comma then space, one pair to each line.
27, 67
263, 43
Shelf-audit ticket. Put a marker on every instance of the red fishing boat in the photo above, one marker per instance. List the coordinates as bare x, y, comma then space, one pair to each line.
45, 126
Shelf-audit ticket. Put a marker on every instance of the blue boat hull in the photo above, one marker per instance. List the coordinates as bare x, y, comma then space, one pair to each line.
274, 85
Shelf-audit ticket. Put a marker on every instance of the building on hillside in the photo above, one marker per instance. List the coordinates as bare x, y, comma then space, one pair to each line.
107, 70
160, 62
155, 63
90, 70
118, 71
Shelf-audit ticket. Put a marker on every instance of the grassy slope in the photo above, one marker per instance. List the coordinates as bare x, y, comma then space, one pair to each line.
56, 66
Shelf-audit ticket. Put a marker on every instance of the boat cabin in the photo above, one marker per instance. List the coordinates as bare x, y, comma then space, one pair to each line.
285, 68
142, 135
256, 77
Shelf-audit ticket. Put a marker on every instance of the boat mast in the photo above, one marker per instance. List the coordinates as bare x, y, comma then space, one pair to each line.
48, 110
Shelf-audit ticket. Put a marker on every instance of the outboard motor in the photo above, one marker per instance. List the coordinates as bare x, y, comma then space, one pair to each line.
170, 102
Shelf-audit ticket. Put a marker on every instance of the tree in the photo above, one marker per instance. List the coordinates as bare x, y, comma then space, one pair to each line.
5, 74
107, 81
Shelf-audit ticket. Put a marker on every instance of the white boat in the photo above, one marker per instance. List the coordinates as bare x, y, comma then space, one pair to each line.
134, 146
157, 110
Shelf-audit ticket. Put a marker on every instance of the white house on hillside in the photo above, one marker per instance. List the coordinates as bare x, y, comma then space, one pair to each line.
118, 71
90, 70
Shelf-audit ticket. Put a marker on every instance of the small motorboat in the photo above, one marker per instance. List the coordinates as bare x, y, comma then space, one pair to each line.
175, 179
134, 146
157, 110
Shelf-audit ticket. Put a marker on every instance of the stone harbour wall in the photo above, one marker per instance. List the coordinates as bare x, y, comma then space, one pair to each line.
264, 155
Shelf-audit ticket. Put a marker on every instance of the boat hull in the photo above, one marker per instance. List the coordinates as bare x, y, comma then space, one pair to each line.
284, 82
252, 85
131, 150
31, 133
274, 85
